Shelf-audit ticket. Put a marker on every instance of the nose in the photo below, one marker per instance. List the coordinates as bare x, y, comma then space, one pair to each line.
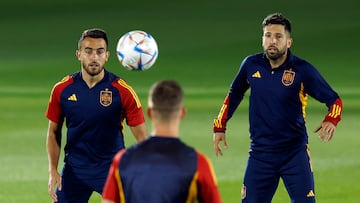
93, 55
273, 40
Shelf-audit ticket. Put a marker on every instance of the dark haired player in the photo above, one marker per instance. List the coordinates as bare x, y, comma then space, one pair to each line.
280, 84
94, 104
162, 169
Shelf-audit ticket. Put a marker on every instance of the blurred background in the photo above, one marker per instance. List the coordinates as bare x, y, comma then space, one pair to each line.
201, 45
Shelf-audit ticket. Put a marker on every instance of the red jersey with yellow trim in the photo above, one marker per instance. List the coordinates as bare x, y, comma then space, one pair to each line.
160, 170
94, 118
278, 100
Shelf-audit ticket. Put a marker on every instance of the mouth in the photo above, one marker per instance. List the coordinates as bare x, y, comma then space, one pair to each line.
272, 49
93, 65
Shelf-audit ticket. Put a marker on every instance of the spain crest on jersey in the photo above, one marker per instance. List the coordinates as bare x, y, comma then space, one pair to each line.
105, 97
288, 77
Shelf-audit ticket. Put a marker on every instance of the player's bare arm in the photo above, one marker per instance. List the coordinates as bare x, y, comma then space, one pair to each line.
53, 149
140, 132
219, 137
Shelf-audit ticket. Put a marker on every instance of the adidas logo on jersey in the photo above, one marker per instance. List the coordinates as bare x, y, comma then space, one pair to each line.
256, 75
72, 97
311, 194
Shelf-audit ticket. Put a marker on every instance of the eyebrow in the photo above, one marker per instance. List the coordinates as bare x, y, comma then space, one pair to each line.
93, 48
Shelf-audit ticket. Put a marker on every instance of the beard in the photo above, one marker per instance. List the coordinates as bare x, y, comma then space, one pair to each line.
93, 68
274, 53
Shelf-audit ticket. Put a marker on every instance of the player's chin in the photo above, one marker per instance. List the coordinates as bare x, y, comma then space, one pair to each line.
272, 52
93, 71
273, 55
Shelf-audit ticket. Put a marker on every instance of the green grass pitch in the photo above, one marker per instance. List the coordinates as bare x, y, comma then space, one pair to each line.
201, 44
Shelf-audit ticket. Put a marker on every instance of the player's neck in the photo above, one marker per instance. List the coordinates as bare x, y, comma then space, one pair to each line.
165, 129
92, 80
277, 62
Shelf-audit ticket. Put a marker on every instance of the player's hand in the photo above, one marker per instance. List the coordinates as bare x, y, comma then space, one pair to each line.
219, 137
326, 131
54, 181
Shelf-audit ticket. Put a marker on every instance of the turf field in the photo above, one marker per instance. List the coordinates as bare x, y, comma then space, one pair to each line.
201, 44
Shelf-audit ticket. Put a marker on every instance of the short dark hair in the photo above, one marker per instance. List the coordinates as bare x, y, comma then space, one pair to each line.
277, 19
166, 97
93, 33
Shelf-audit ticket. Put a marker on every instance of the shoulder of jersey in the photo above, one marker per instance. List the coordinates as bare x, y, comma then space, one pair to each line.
66, 79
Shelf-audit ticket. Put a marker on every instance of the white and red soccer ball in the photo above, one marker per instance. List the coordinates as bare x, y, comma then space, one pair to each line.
137, 50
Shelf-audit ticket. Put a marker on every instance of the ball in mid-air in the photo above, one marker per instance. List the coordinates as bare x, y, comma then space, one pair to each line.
137, 50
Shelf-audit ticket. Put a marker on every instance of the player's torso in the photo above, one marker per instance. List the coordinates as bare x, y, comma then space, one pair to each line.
167, 163
277, 105
81, 104
281, 85
94, 121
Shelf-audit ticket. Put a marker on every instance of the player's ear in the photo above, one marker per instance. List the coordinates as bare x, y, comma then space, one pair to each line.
289, 42
183, 112
77, 54
107, 55
149, 112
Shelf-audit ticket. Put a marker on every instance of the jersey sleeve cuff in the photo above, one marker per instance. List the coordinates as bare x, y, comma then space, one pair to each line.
219, 125
335, 112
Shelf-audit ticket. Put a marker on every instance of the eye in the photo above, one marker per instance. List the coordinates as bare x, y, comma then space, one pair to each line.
267, 35
279, 36
88, 51
100, 51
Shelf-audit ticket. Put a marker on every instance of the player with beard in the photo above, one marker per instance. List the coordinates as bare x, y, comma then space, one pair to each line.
94, 103
280, 84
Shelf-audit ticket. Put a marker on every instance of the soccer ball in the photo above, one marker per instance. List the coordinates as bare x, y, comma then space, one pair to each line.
137, 50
